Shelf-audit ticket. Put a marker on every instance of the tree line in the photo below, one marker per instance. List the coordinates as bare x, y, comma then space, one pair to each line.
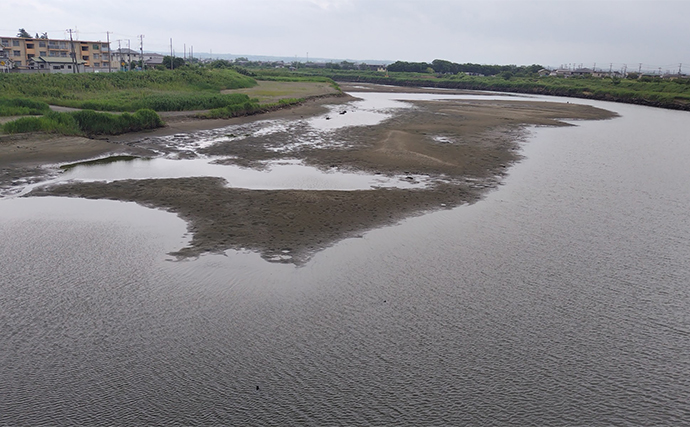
441, 66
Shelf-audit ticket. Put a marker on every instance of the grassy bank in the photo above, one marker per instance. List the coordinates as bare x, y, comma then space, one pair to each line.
86, 122
657, 92
22, 107
248, 108
179, 90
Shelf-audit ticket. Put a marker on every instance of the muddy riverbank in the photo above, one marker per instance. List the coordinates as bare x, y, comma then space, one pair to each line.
462, 147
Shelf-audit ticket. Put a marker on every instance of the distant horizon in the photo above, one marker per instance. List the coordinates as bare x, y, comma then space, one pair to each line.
646, 68
608, 33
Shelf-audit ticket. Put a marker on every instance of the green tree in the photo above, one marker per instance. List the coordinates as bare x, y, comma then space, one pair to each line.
175, 63
23, 34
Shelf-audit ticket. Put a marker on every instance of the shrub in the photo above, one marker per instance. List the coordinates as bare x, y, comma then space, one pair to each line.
22, 106
86, 122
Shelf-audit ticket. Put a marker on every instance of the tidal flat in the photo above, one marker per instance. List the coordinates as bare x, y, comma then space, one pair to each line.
460, 148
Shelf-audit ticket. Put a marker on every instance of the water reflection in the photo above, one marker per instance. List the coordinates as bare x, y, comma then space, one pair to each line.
561, 299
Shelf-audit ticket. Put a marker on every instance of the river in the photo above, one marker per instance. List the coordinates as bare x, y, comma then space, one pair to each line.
561, 298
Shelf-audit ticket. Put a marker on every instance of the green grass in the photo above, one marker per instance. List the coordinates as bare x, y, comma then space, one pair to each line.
185, 89
248, 108
673, 94
86, 122
22, 107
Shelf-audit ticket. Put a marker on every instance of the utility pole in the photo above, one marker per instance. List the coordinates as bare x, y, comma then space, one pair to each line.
73, 54
610, 68
119, 54
639, 69
191, 52
172, 57
141, 51
680, 69
129, 55
184, 51
110, 53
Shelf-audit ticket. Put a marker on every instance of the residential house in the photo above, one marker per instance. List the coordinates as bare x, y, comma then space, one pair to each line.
122, 57
94, 54
5, 61
56, 65
152, 60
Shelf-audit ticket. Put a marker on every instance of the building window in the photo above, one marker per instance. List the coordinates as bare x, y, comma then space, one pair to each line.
30, 55
19, 63
84, 48
85, 57
96, 47
16, 53
41, 44
15, 42
52, 53
29, 45
63, 54
97, 64
56, 67
95, 56
42, 53
104, 46
5, 42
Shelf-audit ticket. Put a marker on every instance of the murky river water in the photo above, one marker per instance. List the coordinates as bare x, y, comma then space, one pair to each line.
561, 299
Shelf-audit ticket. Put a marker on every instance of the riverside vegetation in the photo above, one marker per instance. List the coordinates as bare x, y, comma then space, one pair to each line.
672, 93
144, 93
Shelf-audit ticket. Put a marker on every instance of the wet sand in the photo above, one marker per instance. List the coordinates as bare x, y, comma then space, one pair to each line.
464, 147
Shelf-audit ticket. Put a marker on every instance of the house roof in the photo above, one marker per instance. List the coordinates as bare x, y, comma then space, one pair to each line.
125, 51
56, 60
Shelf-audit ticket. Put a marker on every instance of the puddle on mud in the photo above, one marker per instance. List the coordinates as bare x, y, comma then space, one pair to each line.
281, 175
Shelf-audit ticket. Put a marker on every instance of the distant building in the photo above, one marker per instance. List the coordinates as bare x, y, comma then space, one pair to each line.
152, 60
20, 51
582, 72
122, 57
5, 62
56, 65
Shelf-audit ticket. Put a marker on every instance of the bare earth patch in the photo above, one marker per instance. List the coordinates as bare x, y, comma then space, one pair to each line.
464, 147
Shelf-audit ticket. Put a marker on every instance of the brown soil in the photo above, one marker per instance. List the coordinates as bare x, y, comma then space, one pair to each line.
480, 139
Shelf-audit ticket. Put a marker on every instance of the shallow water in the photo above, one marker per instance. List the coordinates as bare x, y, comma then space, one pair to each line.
281, 175
559, 299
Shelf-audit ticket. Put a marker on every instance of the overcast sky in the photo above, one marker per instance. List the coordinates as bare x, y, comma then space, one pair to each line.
553, 32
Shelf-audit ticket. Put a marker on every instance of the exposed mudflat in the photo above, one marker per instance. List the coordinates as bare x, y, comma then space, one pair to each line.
462, 146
